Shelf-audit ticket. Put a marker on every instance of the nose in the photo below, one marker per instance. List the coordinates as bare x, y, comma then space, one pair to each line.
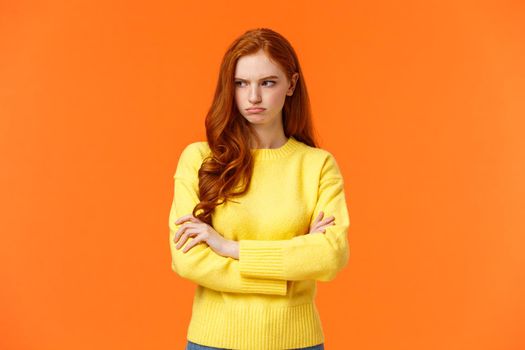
254, 96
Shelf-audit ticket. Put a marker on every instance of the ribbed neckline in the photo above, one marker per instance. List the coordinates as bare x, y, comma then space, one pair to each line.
274, 153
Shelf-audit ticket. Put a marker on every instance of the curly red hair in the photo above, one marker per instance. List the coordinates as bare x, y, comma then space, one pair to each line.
227, 172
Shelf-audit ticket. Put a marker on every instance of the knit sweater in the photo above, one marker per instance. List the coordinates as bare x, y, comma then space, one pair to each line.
266, 299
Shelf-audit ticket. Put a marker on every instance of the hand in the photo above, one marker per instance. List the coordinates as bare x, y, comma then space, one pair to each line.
201, 232
319, 226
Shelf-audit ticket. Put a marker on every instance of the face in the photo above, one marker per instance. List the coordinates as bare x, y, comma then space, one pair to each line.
261, 83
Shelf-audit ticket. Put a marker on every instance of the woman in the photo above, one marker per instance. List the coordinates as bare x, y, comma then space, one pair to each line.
247, 219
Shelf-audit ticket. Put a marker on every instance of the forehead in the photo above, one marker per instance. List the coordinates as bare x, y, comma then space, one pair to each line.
255, 66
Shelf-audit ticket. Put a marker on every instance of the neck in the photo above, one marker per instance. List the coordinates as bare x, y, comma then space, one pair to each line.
269, 138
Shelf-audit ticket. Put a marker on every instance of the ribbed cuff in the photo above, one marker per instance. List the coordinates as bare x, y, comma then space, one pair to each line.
264, 286
261, 259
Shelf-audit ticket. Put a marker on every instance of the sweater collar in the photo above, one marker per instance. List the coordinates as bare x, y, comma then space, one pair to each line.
274, 153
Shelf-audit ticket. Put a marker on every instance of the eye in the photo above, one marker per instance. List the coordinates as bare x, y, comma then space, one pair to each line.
271, 81
239, 82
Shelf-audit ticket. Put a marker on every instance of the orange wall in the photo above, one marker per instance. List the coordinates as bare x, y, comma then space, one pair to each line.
422, 103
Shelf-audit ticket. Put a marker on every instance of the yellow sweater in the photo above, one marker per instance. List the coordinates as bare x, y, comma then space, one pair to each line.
266, 299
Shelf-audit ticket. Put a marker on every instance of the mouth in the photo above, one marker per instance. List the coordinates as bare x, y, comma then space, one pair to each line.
255, 110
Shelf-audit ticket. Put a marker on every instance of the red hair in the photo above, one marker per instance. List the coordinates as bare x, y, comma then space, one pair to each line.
228, 133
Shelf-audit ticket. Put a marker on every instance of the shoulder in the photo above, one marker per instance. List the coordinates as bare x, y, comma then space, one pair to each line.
318, 155
324, 161
197, 149
191, 158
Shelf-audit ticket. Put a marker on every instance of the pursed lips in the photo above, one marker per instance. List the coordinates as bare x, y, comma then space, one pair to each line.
255, 110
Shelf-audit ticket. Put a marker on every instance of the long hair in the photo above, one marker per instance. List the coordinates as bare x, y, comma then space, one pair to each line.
227, 171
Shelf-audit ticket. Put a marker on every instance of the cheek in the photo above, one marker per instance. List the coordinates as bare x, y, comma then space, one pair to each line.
276, 98
238, 99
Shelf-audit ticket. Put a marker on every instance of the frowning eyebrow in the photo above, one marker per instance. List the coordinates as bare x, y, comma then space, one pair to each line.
268, 77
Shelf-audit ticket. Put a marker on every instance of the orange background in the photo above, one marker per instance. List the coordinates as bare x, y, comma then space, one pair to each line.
422, 103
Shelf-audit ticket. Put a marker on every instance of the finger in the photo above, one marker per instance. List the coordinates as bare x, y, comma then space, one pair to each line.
329, 219
184, 238
188, 231
184, 218
328, 224
316, 226
319, 216
192, 244
323, 228
181, 230
325, 221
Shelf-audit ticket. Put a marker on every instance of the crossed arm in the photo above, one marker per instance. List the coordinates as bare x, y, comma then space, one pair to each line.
263, 266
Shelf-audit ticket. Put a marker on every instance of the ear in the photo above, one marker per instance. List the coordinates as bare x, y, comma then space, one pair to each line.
293, 84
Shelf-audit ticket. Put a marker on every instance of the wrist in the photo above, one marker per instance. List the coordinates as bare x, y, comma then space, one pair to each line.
232, 249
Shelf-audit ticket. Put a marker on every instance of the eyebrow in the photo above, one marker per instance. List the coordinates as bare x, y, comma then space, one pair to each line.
268, 77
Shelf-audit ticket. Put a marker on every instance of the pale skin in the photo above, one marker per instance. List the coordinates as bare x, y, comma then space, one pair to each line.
252, 72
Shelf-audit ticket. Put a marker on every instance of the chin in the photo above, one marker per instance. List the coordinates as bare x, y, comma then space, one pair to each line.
254, 118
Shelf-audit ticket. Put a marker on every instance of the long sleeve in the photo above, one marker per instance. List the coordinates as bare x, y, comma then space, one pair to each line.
201, 264
316, 256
